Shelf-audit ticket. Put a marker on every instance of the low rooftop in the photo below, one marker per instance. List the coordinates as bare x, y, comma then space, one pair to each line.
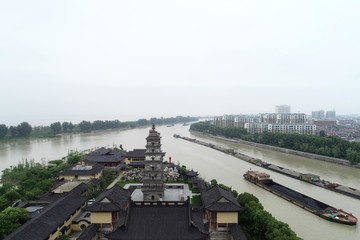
160, 222
173, 192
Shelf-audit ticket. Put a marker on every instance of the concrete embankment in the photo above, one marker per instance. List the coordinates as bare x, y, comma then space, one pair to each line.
289, 151
225, 150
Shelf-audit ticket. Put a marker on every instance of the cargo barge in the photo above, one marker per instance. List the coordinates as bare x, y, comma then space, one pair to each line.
313, 179
312, 205
307, 177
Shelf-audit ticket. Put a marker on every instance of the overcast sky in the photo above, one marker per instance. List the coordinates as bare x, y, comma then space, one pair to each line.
75, 60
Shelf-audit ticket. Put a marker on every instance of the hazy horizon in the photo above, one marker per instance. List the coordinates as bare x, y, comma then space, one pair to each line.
88, 60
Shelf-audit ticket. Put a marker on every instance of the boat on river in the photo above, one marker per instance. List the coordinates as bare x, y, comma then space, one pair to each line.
312, 205
306, 177
312, 179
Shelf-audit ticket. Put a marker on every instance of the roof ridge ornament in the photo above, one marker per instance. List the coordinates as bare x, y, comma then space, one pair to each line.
153, 126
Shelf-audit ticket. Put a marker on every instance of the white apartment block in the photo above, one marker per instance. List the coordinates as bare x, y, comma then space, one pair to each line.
239, 121
224, 121
270, 122
280, 128
292, 128
283, 118
256, 127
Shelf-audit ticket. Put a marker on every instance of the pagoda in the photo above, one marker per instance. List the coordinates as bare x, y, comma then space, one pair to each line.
153, 176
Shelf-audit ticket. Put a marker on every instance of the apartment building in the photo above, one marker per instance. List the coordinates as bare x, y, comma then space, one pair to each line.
283, 118
270, 122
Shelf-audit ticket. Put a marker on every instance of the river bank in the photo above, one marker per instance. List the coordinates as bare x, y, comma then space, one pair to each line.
285, 150
226, 168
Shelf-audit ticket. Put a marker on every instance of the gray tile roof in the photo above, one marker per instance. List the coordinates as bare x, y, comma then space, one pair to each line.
237, 233
78, 171
160, 223
111, 200
136, 153
46, 223
88, 233
104, 155
218, 199
192, 173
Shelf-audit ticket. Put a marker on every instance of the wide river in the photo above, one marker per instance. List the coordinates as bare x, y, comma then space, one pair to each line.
213, 164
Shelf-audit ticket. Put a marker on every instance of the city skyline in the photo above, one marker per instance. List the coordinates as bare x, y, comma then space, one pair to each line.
89, 60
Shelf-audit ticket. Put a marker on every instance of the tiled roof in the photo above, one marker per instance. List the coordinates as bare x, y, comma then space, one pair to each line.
82, 170
237, 233
197, 220
104, 155
111, 200
199, 183
88, 233
219, 199
101, 151
192, 173
136, 153
46, 223
160, 223
52, 196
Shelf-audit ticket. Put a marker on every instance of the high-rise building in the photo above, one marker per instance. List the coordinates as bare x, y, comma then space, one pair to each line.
282, 109
153, 175
318, 114
330, 114
224, 121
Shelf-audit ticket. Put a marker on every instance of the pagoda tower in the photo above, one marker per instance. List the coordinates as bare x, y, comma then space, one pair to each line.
153, 175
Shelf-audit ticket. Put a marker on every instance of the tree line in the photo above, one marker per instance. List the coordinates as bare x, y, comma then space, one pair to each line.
24, 129
260, 224
329, 146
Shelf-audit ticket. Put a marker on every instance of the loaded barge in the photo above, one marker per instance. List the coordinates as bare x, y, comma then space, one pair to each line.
307, 177
312, 205
313, 179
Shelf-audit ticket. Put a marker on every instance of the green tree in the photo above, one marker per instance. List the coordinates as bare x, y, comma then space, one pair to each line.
3, 130
55, 127
13, 131
4, 203
322, 133
12, 195
65, 126
98, 125
235, 193
85, 126
142, 122
106, 178
260, 224
10, 219
24, 129
74, 158
245, 198
213, 182
71, 126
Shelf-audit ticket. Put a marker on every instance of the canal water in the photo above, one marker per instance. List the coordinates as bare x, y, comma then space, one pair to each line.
213, 164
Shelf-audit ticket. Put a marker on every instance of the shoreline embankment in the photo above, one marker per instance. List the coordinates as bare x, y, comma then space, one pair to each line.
285, 150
